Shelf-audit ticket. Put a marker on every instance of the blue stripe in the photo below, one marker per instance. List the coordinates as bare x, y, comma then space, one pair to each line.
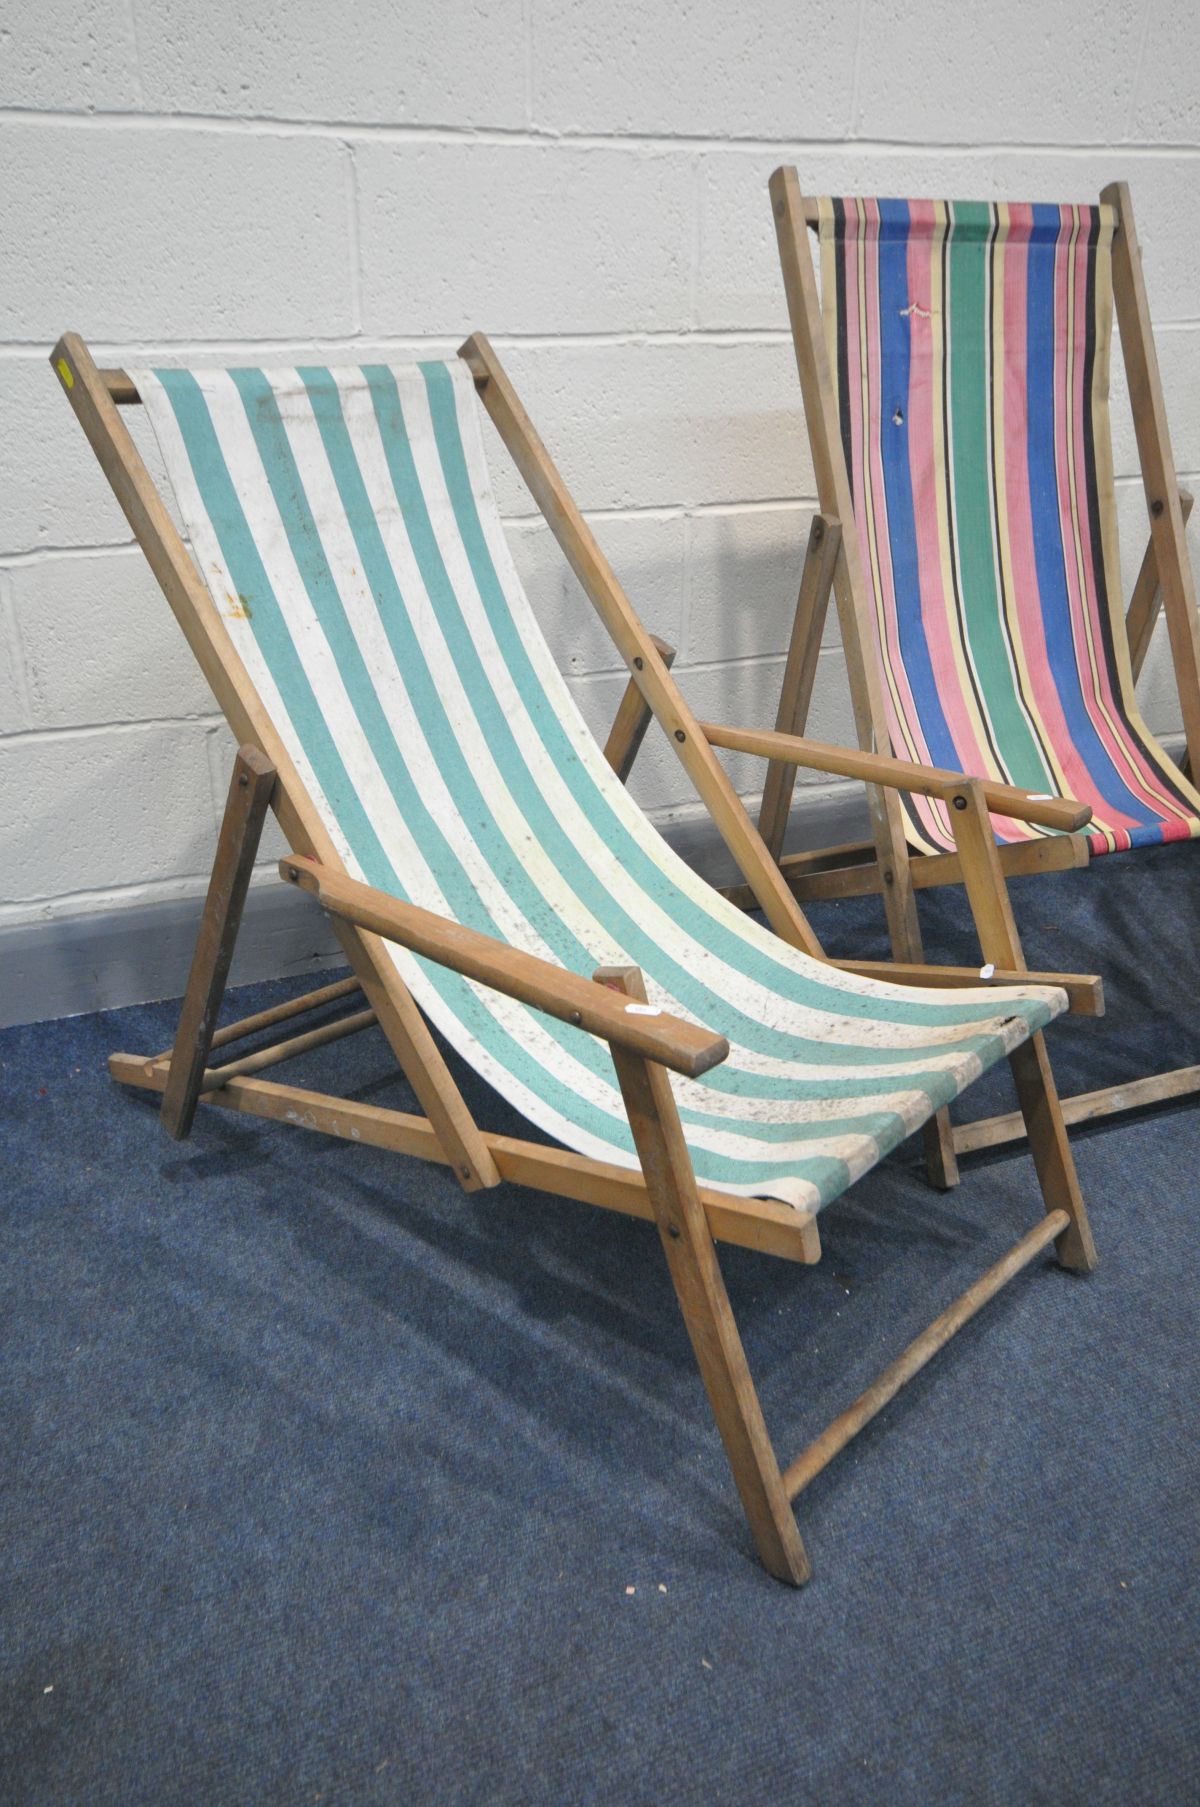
894, 330
1050, 553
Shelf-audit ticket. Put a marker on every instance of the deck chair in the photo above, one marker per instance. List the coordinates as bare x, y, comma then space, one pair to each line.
351, 598
954, 367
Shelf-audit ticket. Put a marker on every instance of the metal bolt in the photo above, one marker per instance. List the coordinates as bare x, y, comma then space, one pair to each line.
680, 735
1156, 508
673, 1232
243, 779
637, 664
574, 1017
293, 874
466, 1172
960, 802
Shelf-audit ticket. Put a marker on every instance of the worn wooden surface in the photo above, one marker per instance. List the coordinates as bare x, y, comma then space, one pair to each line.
241, 829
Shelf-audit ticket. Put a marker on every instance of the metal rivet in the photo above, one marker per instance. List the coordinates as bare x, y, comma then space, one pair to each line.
466, 1172
637, 664
575, 1017
960, 803
293, 874
1156, 508
243, 779
889, 877
673, 1232
679, 734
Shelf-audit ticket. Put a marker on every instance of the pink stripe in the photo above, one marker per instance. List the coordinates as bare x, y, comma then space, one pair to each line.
1127, 755
925, 434
903, 722
1022, 557
1069, 412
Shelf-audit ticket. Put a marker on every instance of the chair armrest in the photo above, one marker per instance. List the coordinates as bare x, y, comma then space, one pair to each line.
670, 1040
899, 774
1085, 992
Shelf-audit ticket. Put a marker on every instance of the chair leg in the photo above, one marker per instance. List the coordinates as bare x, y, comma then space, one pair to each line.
633, 717
799, 673
704, 1302
241, 829
941, 1158
1052, 1157
1037, 1093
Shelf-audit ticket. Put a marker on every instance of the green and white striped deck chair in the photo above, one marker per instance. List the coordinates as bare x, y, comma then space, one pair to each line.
363, 626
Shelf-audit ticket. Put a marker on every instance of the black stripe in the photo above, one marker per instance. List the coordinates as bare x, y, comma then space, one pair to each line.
839, 233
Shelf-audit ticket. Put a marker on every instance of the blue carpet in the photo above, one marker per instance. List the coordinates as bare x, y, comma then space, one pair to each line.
323, 1483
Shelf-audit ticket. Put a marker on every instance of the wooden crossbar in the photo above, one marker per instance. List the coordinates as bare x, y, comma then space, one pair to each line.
834, 1438
751, 1223
1084, 1107
288, 1050
278, 1013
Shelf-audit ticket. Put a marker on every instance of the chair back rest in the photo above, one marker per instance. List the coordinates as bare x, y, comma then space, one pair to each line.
970, 347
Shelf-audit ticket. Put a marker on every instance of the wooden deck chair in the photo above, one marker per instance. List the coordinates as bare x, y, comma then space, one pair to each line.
355, 608
954, 367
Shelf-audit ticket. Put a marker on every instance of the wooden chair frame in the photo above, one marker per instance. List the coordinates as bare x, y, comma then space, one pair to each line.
885, 865
690, 1217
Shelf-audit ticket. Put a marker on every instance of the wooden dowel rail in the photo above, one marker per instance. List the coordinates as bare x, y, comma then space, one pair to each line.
278, 1013
287, 1050
835, 1436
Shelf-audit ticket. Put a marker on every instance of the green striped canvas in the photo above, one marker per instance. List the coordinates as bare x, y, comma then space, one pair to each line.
345, 524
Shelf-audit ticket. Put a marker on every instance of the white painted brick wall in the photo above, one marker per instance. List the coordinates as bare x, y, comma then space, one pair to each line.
587, 185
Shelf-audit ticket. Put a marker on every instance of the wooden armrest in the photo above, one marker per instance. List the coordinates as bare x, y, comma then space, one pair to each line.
899, 774
1085, 992
667, 1039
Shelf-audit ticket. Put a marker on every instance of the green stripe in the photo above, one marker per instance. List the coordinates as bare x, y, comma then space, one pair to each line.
971, 454
827, 1174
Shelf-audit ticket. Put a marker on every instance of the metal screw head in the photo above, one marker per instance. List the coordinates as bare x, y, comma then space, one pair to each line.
1156, 508
293, 874
637, 664
960, 802
575, 1017
680, 735
243, 779
673, 1231
466, 1172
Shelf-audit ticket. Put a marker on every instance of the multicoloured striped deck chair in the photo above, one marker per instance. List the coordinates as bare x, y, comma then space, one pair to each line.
955, 377
363, 627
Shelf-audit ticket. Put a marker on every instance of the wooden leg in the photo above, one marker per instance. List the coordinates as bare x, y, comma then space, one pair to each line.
1036, 1090
1037, 1095
1146, 600
707, 1313
633, 715
241, 828
799, 673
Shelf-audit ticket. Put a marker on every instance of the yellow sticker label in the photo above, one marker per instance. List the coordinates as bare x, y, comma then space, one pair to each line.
66, 373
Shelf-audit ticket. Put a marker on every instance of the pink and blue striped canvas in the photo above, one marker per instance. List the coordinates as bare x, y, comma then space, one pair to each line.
970, 343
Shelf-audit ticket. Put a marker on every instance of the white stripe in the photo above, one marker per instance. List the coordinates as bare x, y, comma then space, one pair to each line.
353, 743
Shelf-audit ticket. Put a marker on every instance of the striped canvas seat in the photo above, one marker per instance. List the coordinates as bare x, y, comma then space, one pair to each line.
970, 345
345, 523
